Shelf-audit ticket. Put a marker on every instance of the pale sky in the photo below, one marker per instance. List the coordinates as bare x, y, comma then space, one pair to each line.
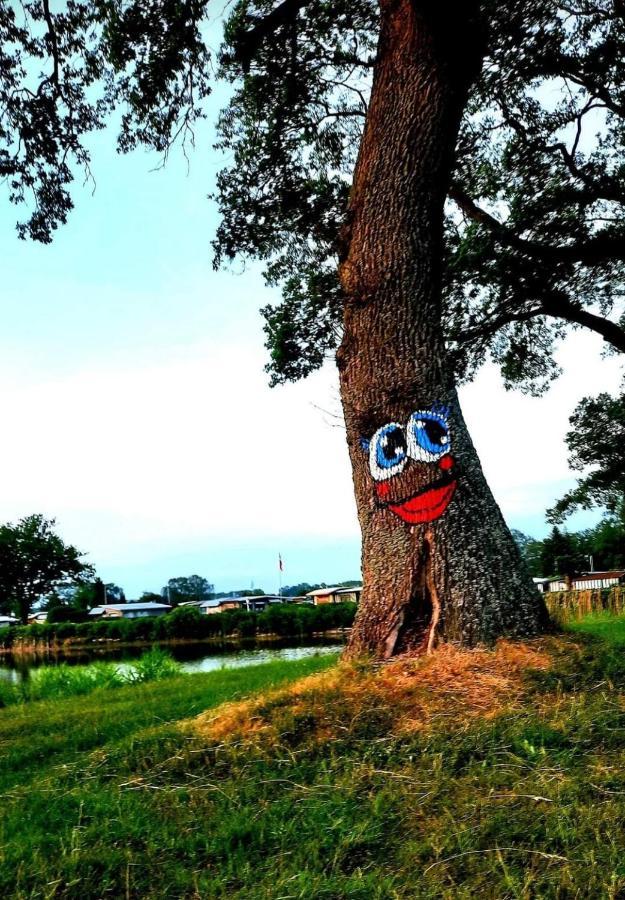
135, 409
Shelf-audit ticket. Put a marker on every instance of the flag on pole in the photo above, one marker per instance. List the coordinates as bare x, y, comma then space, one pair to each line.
280, 563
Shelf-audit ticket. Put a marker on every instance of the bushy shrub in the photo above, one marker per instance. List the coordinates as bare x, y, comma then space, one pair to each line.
21, 633
306, 619
142, 629
183, 622
62, 631
7, 693
239, 622
119, 630
334, 615
7, 636
278, 619
285, 620
66, 614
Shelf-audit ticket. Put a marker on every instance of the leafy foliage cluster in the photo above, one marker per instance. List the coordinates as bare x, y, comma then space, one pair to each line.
540, 187
64, 73
293, 127
595, 442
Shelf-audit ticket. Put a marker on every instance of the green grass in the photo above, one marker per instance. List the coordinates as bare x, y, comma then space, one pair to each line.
602, 625
56, 682
106, 795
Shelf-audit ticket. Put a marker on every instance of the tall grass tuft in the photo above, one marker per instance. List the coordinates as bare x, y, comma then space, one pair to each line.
154, 665
72, 681
55, 682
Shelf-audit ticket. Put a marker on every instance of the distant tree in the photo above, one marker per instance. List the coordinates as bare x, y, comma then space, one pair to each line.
96, 593
150, 597
81, 597
608, 544
67, 614
188, 588
531, 551
596, 445
99, 591
85, 596
562, 554
33, 561
114, 593
298, 590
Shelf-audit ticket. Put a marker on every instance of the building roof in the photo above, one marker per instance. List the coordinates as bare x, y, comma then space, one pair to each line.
591, 576
255, 598
213, 604
321, 592
123, 607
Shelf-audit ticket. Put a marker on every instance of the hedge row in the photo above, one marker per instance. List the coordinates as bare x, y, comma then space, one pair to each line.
188, 622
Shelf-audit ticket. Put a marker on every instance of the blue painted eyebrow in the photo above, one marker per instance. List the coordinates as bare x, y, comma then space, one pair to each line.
440, 409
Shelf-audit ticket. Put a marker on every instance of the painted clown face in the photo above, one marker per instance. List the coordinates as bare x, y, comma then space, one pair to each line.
412, 465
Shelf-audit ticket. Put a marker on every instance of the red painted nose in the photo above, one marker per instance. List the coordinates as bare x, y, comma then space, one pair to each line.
446, 462
382, 487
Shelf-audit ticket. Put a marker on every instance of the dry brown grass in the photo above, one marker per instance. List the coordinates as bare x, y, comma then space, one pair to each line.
452, 684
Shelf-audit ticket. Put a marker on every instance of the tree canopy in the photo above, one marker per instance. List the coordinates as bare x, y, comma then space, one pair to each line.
535, 235
534, 240
186, 589
539, 245
33, 560
596, 445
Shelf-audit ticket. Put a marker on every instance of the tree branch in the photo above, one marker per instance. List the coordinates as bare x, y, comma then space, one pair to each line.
54, 46
556, 305
248, 42
607, 190
595, 250
559, 306
488, 328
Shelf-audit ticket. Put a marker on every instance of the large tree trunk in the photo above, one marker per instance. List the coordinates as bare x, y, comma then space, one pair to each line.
438, 559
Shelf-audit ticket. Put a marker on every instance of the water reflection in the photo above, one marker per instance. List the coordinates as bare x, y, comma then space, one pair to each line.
193, 657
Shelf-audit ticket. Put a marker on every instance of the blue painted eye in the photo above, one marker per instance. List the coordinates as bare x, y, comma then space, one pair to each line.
428, 435
387, 452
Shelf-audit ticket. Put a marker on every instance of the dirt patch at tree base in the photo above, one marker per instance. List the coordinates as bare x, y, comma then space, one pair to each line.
450, 689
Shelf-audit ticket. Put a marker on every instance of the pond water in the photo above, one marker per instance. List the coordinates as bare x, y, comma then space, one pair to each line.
192, 657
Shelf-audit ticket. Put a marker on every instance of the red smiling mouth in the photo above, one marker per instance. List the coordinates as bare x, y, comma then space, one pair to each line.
426, 505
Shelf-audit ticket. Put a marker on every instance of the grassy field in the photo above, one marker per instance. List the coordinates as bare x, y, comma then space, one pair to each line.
469, 774
603, 625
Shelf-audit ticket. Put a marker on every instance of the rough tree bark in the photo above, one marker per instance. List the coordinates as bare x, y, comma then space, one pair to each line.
438, 560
